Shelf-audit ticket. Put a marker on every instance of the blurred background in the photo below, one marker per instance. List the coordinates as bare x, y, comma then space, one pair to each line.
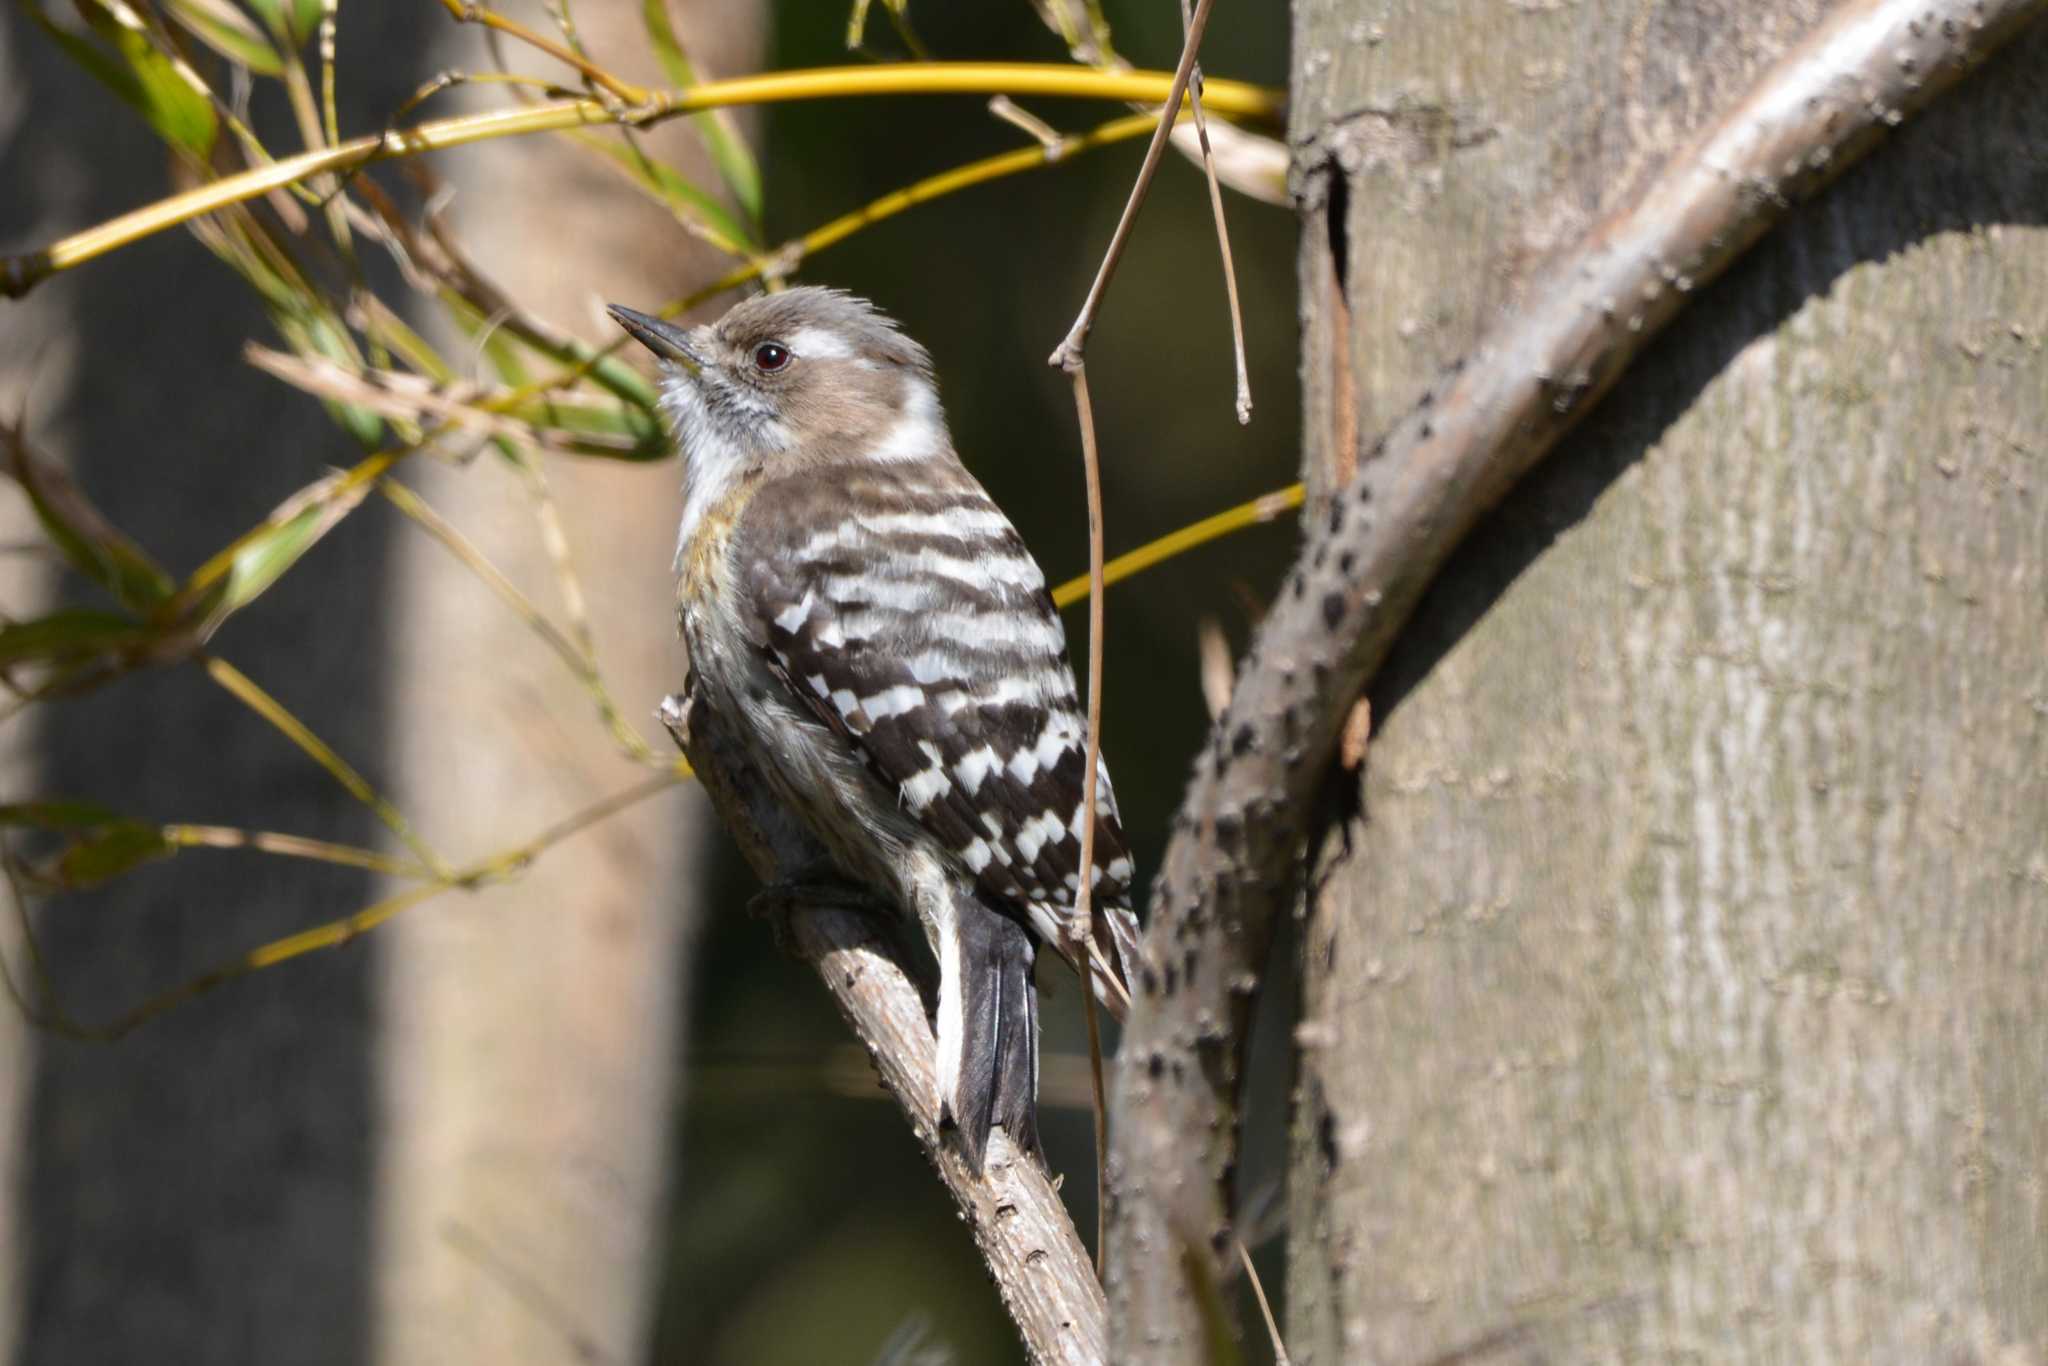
591, 1114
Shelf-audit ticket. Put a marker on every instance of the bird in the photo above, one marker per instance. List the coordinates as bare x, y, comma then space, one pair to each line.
870, 624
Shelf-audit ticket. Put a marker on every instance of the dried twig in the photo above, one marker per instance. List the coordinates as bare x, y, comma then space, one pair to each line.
1069, 355
1369, 552
1040, 1268
1244, 379
1082, 926
1252, 165
467, 12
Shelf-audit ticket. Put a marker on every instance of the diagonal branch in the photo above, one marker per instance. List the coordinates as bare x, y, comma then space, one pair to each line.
1369, 552
1013, 1209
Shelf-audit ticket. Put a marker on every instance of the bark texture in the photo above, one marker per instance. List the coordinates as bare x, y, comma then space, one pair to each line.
1679, 992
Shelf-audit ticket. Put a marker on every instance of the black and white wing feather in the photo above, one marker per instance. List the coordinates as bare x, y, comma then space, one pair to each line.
910, 619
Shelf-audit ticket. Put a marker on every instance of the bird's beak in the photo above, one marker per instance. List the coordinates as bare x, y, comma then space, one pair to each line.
664, 339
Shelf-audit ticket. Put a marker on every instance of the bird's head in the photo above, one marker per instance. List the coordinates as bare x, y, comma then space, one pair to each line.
794, 380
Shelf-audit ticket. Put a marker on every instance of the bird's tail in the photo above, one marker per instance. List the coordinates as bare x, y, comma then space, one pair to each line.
988, 1029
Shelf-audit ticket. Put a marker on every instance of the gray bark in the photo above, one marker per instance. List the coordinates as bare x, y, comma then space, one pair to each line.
1679, 991
536, 1036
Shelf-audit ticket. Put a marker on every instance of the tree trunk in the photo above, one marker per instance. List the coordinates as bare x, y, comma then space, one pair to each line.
530, 1097
1680, 989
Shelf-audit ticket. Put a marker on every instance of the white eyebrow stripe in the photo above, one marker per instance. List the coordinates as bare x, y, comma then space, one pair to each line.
815, 343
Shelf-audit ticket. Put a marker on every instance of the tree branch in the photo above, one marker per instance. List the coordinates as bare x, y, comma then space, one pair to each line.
1040, 1268
1369, 551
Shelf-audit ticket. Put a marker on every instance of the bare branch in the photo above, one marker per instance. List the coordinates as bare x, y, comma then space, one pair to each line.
1208, 158
1082, 925
1040, 1267
1067, 355
1369, 552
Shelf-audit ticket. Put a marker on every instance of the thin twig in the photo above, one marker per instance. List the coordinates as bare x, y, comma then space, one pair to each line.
577, 654
1244, 378
1372, 549
1082, 926
246, 690
1017, 116
470, 13
292, 846
1068, 353
1244, 1255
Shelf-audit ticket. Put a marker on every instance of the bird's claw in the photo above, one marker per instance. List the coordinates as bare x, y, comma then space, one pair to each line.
674, 713
776, 904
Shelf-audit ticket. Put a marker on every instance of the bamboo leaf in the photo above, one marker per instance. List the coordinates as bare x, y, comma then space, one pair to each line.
310, 329
670, 187
729, 150
99, 842
118, 848
227, 31
293, 21
67, 636
58, 814
108, 70
87, 538
180, 114
295, 528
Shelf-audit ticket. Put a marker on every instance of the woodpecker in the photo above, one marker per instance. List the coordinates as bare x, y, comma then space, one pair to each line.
868, 621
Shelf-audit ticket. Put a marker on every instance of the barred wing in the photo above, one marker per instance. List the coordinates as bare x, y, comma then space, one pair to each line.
912, 621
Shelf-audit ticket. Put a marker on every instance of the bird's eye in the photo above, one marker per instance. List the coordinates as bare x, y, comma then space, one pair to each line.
770, 356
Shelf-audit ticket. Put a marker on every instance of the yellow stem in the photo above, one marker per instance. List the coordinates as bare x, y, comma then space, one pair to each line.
1264, 508
789, 254
270, 709
18, 274
291, 846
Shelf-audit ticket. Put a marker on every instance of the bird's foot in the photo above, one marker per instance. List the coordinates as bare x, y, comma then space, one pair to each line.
807, 891
674, 713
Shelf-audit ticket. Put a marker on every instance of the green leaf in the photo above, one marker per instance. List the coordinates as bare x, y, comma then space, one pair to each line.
107, 70
669, 187
305, 17
728, 149
227, 31
117, 848
293, 21
87, 539
181, 114
575, 418
100, 843
66, 636
59, 814
308, 326
263, 561
292, 530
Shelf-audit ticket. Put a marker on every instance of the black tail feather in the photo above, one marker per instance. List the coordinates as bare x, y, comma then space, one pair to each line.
998, 1079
